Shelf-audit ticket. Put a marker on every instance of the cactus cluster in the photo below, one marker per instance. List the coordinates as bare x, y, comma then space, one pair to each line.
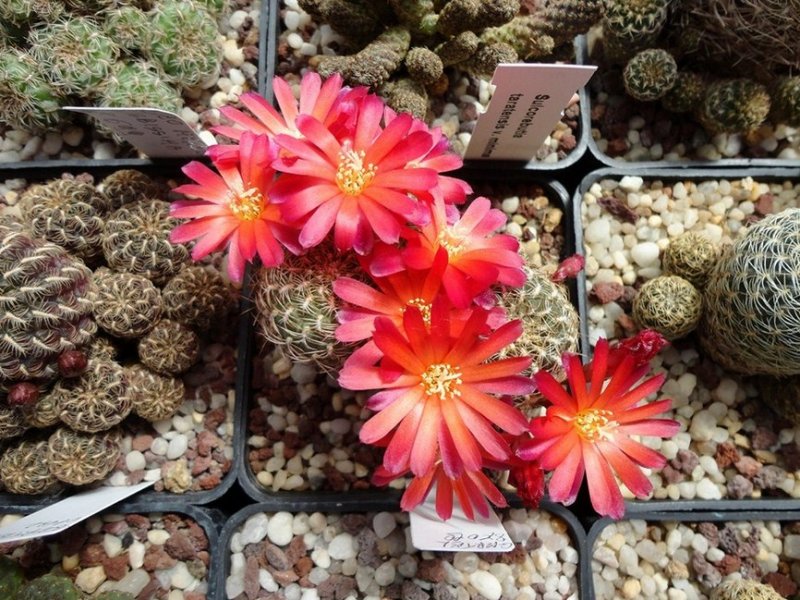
106, 53
668, 304
744, 589
50, 586
691, 256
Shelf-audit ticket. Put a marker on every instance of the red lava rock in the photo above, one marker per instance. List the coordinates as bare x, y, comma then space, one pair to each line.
607, 291
617, 147
764, 204
729, 564
748, 466
516, 556
92, 555
685, 461
206, 442
303, 566
214, 418
336, 586
740, 487
151, 589
209, 481
118, 528
197, 535
431, 570
201, 464
194, 596
782, 584
142, 443
116, 568
155, 557
251, 585
726, 455
763, 439
671, 475
284, 578
179, 546
618, 208
138, 521
276, 557
296, 550
567, 142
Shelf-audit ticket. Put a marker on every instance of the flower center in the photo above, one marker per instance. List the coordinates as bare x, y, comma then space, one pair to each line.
424, 308
353, 175
450, 242
248, 205
442, 380
591, 423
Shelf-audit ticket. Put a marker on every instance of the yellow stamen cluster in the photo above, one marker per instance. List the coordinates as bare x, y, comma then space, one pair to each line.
450, 242
248, 205
442, 380
424, 308
591, 423
352, 175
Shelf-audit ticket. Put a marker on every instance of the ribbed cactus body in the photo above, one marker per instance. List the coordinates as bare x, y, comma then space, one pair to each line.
23, 470
79, 458
650, 74
734, 106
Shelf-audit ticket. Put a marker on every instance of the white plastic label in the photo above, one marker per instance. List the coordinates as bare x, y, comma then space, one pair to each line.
525, 106
66, 513
155, 132
458, 533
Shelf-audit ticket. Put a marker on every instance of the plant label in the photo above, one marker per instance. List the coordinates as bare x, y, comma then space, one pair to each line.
526, 104
458, 533
66, 513
154, 132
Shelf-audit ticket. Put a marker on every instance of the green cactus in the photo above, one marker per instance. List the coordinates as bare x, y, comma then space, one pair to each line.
67, 212
525, 34
296, 307
139, 84
27, 100
11, 578
632, 25
751, 306
650, 74
75, 54
786, 101
668, 304
744, 589
183, 41
79, 458
418, 15
691, 256
12, 422
169, 348
50, 587
686, 94
781, 394
23, 470
45, 307
129, 26
734, 106
23, 12
406, 96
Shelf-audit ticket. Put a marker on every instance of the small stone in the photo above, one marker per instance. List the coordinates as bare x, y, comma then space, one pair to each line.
254, 529
645, 253
134, 461
385, 574
342, 547
88, 580
791, 546
631, 183
486, 585
607, 291
383, 523
279, 529
177, 446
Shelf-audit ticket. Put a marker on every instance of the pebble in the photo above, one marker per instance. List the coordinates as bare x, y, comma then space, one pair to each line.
255, 529
135, 461
90, 578
279, 529
383, 523
486, 585
645, 253
177, 447
342, 547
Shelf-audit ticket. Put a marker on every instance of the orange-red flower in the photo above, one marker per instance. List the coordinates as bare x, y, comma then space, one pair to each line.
589, 431
435, 401
233, 208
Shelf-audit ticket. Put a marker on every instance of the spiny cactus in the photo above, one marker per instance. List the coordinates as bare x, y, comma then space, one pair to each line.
524, 34
751, 305
169, 348
23, 12
12, 422
462, 15
423, 65
734, 106
154, 397
668, 304
23, 470
45, 307
74, 54
405, 95
128, 185
97, 400
79, 458
296, 307
650, 74
785, 95
458, 48
46, 412
486, 58
27, 100
50, 587
138, 83
101, 347
129, 26
136, 240
195, 297
564, 19
631, 25
781, 394
686, 94
126, 305
12, 577
356, 19
549, 322
744, 589
183, 40
67, 212
691, 256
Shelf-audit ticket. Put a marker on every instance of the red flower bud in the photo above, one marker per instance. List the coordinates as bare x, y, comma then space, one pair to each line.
23, 394
569, 268
72, 363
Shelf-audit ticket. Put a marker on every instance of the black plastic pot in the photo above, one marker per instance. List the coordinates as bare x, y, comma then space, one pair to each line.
99, 169
608, 161
636, 507
354, 500
222, 567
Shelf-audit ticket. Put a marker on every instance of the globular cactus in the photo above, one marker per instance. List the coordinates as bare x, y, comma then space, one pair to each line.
97, 400
486, 58
632, 25
549, 322
564, 19
296, 307
734, 106
686, 93
524, 34
12, 578
129, 26
45, 307
22, 12
128, 185
46, 412
74, 54
183, 41
423, 65
458, 48
126, 305
67, 212
138, 83
691, 256
50, 587
668, 304
101, 347
785, 95
744, 589
751, 305
23, 470
27, 100
79, 458
169, 348
154, 397
195, 297
136, 240
462, 15
650, 74
12, 422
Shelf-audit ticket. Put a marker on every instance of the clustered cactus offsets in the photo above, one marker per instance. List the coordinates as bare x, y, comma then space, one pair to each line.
81, 349
106, 53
